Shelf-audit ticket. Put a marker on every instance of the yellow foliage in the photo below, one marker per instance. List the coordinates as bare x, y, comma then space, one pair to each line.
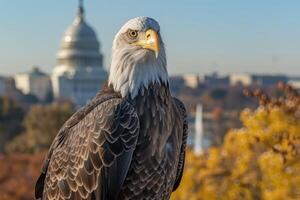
261, 160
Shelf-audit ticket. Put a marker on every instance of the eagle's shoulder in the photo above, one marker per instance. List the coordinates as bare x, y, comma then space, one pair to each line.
100, 98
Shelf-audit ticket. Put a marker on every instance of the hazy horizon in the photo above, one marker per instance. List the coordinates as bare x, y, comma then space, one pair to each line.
201, 36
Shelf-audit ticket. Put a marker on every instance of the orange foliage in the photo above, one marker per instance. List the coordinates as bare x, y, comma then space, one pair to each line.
18, 173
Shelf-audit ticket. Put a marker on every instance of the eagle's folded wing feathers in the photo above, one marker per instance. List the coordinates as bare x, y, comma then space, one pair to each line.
91, 157
180, 106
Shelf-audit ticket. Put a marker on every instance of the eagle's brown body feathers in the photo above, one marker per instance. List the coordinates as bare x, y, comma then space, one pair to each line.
129, 142
118, 148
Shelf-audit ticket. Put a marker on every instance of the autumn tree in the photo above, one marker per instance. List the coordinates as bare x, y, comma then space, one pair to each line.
41, 123
261, 160
18, 174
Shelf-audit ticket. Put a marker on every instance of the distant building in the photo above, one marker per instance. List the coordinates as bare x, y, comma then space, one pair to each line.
191, 80
79, 73
2, 86
295, 83
240, 79
176, 84
7, 86
34, 82
268, 80
216, 80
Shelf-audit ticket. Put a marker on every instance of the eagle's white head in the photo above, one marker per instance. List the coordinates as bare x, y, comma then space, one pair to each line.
138, 57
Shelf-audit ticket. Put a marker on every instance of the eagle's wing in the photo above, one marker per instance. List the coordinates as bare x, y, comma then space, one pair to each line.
90, 157
181, 108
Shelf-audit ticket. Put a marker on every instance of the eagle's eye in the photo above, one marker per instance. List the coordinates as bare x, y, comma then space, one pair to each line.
132, 34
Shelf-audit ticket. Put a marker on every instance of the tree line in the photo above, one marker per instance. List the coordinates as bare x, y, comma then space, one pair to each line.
33, 130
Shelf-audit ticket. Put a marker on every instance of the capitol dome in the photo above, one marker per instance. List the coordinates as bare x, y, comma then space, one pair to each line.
79, 73
79, 46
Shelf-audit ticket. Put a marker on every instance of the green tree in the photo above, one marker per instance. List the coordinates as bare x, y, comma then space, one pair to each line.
41, 126
11, 116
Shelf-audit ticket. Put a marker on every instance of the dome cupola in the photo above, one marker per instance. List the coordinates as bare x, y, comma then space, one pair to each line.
79, 46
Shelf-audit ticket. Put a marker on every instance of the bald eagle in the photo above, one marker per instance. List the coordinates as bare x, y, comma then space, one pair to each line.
129, 141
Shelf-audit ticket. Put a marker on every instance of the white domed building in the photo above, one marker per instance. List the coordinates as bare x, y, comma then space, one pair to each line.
79, 73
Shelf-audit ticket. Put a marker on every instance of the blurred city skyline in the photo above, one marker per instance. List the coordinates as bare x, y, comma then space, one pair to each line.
201, 36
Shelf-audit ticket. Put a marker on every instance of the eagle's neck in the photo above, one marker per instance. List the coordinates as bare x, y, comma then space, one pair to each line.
155, 94
130, 73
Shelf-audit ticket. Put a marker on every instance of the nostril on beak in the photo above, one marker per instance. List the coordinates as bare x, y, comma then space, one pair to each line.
148, 35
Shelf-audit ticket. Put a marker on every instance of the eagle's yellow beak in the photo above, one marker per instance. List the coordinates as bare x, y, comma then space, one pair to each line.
149, 40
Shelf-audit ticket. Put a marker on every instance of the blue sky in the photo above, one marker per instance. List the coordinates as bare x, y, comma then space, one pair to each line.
201, 36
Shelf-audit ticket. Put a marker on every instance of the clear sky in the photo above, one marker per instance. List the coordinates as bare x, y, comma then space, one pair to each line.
200, 35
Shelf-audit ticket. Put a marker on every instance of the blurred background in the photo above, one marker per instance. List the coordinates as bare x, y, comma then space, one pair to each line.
235, 65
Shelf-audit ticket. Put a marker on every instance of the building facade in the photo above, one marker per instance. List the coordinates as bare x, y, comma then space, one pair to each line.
2, 86
294, 81
79, 73
268, 80
191, 80
240, 79
34, 82
216, 80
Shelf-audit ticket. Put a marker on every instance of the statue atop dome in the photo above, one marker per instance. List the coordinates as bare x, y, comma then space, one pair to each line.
80, 12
